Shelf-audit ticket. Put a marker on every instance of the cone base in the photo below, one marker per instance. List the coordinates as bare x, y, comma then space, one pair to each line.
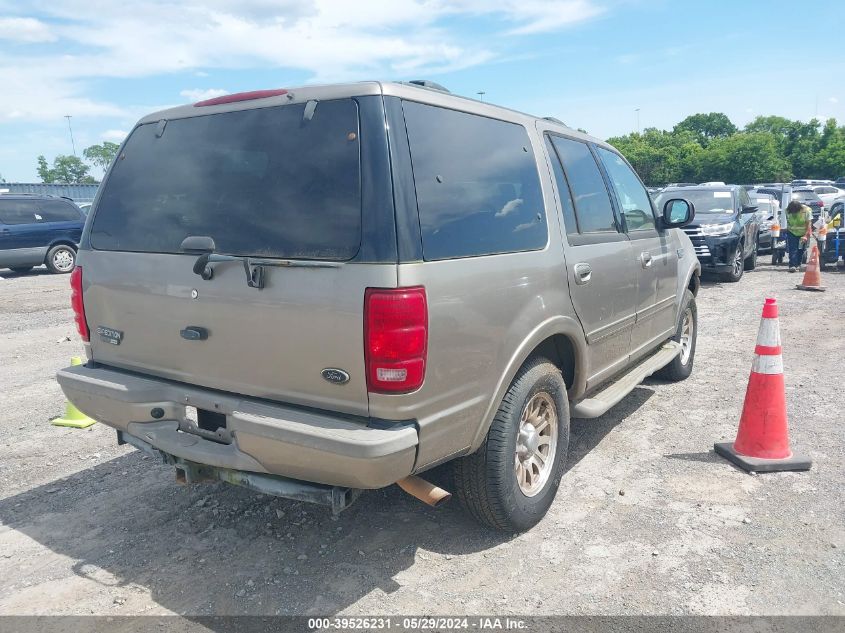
74, 424
816, 288
758, 464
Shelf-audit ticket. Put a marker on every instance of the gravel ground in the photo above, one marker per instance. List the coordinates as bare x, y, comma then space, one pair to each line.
647, 521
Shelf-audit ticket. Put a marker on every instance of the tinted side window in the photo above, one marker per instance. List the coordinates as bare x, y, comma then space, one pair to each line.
569, 222
18, 212
58, 211
630, 193
478, 189
744, 199
592, 202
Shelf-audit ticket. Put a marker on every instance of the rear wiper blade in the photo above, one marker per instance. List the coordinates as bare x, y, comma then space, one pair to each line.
253, 268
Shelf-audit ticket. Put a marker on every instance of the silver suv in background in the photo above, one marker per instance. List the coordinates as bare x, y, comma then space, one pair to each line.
320, 290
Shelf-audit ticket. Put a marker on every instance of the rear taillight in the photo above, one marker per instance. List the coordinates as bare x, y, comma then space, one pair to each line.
395, 338
77, 304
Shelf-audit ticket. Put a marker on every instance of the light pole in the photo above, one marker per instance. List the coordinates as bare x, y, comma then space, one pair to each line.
481, 94
637, 110
70, 129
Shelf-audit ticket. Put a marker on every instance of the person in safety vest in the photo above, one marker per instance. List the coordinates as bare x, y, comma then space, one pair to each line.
799, 220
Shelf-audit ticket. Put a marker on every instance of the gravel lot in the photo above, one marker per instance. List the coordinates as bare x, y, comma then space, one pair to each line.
648, 520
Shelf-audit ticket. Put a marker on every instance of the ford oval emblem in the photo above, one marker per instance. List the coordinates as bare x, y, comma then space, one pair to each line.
335, 376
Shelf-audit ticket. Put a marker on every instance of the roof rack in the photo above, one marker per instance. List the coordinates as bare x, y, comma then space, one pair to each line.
425, 83
554, 120
7, 192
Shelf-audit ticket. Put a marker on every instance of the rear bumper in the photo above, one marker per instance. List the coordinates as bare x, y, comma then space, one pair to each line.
262, 437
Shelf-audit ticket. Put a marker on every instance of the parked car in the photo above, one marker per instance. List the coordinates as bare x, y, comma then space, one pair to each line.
37, 230
810, 183
827, 193
811, 199
725, 230
836, 205
251, 323
768, 213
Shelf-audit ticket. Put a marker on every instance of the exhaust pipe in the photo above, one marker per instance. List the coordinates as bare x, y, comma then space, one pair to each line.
423, 490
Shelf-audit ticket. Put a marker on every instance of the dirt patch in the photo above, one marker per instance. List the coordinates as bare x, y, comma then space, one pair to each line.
90, 527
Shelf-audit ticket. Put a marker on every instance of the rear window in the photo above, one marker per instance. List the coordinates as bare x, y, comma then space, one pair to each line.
268, 182
478, 189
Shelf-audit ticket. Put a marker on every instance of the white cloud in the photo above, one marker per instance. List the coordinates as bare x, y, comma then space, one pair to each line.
833, 100
327, 39
198, 94
25, 30
543, 16
49, 98
115, 136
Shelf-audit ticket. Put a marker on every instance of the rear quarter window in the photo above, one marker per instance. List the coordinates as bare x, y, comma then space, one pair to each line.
18, 212
267, 182
58, 211
477, 184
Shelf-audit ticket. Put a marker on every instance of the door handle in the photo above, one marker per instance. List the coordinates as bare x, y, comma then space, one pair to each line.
583, 272
646, 259
5, 231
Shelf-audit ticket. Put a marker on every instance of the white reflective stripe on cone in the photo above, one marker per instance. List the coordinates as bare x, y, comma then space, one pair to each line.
769, 333
764, 364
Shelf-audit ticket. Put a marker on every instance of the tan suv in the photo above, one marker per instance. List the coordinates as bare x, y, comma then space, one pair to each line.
320, 290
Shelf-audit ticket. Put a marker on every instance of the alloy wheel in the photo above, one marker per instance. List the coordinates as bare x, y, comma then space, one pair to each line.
536, 443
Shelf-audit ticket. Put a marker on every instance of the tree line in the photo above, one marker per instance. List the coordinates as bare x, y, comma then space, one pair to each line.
709, 147
72, 170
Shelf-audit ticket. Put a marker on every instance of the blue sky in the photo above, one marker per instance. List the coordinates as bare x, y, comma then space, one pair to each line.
591, 63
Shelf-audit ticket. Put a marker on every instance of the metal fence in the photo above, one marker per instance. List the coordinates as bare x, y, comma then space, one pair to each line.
80, 194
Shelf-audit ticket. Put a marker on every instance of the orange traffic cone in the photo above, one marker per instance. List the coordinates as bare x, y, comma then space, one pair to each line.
812, 276
762, 442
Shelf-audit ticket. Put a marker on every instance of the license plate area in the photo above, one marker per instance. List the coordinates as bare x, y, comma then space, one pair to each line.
208, 424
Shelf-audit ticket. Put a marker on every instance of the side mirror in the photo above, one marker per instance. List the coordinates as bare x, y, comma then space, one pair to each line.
751, 209
677, 212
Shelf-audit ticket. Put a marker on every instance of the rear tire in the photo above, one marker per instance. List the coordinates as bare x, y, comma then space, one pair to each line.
61, 259
506, 485
687, 334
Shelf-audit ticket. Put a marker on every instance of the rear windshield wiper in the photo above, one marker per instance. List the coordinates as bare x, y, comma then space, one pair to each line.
204, 246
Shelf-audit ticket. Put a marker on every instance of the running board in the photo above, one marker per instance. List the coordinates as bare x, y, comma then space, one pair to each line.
599, 403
